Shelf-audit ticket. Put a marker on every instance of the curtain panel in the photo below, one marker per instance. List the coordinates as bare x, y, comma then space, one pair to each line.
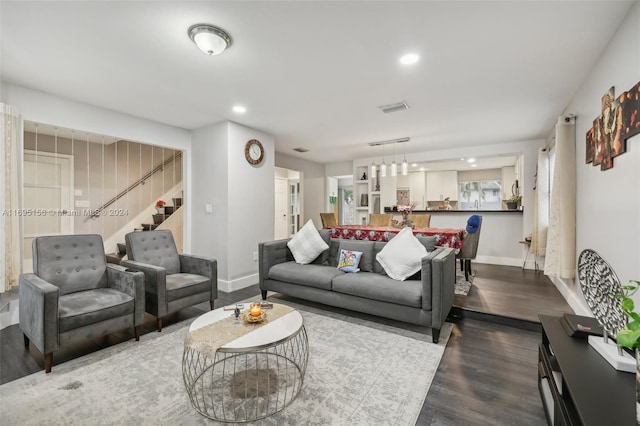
560, 260
541, 212
11, 130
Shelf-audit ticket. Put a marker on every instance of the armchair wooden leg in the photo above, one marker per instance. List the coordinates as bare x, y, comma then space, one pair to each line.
48, 362
159, 324
136, 332
211, 304
26, 340
264, 294
435, 334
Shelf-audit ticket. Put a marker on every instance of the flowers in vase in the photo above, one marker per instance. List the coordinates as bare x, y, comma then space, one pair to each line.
405, 210
160, 204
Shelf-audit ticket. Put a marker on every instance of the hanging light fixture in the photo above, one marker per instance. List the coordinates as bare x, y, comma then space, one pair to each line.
394, 166
211, 40
383, 165
405, 165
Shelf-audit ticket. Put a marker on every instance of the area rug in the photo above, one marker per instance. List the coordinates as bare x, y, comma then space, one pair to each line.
462, 285
359, 372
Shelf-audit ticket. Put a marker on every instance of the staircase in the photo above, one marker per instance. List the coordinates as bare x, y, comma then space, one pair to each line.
157, 221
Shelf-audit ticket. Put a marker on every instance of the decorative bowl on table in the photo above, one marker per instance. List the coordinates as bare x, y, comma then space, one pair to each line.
247, 317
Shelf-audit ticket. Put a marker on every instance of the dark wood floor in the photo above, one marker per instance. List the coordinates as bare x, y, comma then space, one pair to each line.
488, 374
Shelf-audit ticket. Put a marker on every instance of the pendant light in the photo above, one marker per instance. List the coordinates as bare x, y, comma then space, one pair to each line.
405, 165
383, 165
394, 166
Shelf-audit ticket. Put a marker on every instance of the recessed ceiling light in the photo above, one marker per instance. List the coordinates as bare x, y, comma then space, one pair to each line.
409, 59
462, 159
239, 109
422, 169
474, 165
471, 160
414, 165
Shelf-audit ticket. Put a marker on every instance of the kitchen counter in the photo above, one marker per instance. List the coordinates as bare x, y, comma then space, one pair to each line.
458, 211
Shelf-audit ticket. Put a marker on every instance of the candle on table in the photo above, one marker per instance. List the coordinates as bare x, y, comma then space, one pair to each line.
254, 310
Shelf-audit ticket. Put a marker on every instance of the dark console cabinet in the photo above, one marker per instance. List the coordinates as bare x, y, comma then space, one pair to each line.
577, 385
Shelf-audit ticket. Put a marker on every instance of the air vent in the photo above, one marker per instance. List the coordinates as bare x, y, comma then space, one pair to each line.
303, 150
399, 106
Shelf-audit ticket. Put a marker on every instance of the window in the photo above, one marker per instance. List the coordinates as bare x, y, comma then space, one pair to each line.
480, 195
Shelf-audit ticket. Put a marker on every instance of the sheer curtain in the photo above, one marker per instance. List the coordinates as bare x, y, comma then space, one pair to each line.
560, 258
11, 130
541, 212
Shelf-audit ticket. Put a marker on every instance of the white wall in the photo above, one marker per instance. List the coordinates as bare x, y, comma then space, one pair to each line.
608, 202
250, 205
313, 188
242, 201
499, 235
45, 108
210, 186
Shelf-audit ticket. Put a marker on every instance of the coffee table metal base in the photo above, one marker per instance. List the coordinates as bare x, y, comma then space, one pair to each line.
246, 385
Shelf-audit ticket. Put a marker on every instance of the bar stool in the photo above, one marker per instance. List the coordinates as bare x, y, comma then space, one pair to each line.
527, 242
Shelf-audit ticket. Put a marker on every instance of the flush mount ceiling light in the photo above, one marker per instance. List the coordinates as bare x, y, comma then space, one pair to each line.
239, 109
211, 40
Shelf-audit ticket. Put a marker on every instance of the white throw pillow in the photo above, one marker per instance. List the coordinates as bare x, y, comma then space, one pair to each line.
307, 244
402, 256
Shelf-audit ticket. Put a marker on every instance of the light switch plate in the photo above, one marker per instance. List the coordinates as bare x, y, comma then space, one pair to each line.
208, 208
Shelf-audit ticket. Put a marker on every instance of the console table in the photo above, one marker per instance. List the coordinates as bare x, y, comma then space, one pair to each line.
577, 385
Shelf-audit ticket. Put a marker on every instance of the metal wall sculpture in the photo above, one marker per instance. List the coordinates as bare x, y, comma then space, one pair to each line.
618, 122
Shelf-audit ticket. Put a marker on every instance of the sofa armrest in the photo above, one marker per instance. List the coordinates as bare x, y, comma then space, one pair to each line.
38, 312
269, 254
442, 274
199, 265
131, 283
155, 277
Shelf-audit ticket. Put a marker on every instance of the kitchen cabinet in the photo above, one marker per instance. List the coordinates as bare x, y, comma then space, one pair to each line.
441, 185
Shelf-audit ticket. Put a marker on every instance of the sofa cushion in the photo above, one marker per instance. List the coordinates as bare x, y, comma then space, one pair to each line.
183, 285
429, 242
92, 306
307, 244
380, 287
402, 256
349, 260
318, 276
366, 247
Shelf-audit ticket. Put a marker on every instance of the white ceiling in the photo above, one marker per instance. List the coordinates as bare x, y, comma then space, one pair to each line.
313, 73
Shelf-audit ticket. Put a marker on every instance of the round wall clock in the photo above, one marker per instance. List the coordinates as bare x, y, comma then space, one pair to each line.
254, 152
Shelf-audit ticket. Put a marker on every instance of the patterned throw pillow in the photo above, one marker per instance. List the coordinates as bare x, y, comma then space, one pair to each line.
307, 244
349, 260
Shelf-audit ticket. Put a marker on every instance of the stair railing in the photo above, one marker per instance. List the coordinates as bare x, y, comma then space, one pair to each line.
97, 212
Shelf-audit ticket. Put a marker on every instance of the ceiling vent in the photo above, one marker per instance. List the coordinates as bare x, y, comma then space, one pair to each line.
399, 106
303, 150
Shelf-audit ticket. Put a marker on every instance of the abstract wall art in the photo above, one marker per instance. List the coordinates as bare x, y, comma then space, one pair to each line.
619, 121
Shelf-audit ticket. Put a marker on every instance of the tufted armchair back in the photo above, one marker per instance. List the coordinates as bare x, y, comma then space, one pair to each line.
155, 247
70, 262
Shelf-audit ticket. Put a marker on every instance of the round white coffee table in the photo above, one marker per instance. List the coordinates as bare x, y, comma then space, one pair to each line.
250, 377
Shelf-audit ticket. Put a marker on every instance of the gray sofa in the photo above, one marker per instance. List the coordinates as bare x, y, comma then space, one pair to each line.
425, 299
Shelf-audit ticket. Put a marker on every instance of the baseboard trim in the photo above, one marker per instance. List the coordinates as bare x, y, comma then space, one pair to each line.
566, 289
237, 284
494, 260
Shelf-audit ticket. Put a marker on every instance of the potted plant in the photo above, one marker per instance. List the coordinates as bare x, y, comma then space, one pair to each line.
512, 203
629, 336
160, 206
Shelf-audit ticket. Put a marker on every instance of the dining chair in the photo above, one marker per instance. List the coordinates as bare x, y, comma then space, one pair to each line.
328, 220
380, 219
470, 244
421, 220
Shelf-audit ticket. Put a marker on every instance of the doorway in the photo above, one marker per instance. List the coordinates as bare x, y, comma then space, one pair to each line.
48, 205
288, 202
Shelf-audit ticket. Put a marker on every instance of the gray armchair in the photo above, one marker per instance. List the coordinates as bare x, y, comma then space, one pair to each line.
73, 295
470, 244
172, 281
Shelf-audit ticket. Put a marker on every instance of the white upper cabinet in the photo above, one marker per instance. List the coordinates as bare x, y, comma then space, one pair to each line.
441, 185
